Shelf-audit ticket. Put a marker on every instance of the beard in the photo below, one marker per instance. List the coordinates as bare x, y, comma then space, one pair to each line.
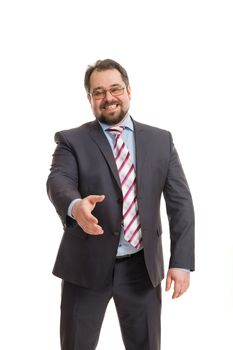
112, 118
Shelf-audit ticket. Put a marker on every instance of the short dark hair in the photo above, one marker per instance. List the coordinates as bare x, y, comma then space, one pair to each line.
102, 65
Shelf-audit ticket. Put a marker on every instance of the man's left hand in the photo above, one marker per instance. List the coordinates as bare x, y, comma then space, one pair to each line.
181, 281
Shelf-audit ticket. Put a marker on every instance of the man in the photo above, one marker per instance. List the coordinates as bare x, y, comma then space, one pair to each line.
106, 182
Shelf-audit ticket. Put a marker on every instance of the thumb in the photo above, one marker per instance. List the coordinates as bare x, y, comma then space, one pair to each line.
168, 282
96, 198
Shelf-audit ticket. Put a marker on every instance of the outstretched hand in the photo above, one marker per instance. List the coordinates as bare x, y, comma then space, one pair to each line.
82, 214
181, 281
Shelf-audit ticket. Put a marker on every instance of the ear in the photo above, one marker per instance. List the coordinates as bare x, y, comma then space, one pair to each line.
89, 97
128, 89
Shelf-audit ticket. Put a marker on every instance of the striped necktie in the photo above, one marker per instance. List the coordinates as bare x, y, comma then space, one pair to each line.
125, 166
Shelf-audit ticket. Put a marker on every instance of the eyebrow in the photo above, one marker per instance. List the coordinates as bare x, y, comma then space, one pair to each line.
102, 88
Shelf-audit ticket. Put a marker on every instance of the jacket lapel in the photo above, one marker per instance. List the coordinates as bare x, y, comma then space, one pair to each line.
97, 135
141, 151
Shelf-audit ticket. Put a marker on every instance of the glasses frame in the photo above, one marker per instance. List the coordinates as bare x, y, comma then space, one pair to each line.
108, 90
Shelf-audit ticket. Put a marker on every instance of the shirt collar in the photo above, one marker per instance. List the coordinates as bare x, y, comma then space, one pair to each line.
126, 122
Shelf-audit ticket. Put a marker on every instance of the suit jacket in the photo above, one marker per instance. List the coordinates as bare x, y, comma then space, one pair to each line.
83, 164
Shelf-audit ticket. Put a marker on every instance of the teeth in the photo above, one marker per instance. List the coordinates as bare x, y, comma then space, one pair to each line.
111, 107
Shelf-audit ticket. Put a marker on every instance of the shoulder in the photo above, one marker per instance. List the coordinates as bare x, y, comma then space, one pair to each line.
153, 137
74, 133
151, 130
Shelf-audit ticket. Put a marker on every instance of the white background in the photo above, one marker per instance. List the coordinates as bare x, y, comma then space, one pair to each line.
179, 58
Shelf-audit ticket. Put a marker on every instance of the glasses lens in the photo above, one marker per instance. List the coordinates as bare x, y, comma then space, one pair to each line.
116, 91
98, 94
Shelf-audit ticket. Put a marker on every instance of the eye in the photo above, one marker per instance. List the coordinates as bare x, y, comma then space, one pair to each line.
117, 90
98, 93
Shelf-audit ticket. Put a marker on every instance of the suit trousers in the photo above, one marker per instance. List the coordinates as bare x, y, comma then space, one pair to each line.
137, 302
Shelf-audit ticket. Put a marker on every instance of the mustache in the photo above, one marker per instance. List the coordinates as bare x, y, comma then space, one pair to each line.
107, 104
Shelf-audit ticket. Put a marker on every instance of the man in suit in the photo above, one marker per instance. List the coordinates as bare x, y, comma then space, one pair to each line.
106, 182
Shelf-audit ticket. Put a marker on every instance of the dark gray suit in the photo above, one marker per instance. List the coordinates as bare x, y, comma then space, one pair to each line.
83, 164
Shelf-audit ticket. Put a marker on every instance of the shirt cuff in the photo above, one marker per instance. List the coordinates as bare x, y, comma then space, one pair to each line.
69, 212
179, 268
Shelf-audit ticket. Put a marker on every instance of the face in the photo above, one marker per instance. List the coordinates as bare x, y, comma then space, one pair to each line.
109, 109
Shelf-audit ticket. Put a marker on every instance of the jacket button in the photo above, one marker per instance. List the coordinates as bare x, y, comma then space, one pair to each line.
116, 233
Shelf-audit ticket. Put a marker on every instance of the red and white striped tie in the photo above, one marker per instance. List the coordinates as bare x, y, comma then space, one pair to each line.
125, 166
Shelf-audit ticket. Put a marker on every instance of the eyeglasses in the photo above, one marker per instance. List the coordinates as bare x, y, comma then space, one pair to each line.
98, 94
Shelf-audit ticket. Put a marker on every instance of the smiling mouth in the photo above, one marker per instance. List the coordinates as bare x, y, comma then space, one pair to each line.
110, 107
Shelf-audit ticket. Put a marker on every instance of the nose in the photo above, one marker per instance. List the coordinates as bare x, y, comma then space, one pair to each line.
108, 95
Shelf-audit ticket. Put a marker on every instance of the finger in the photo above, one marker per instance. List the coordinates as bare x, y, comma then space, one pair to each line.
176, 294
177, 290
93, 229
96, 198
184, 288
89, 218
83, 223
90, 227
168, 283
180, 292
97, 230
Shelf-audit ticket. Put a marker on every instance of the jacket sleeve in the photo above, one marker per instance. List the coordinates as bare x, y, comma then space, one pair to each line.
62, 183
180, 213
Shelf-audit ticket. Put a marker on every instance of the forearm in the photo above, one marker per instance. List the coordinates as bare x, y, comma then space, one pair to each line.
61, 194
62, 183
180, 213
